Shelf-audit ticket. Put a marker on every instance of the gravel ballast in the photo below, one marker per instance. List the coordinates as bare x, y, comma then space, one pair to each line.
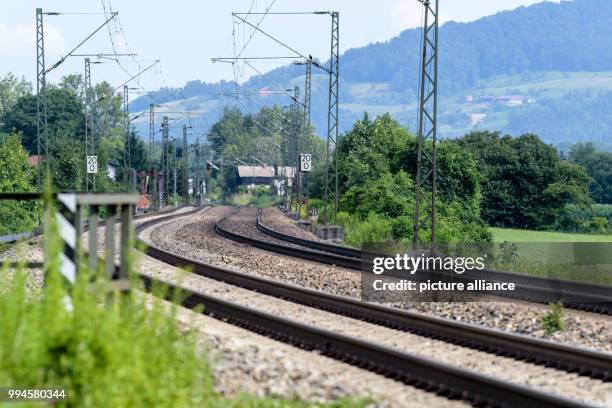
583, 329
167, 236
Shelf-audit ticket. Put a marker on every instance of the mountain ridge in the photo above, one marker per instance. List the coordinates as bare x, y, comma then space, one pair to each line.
521, 42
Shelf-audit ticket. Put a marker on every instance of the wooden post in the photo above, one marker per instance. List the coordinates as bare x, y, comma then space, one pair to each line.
126, 239
93, 238
109, 244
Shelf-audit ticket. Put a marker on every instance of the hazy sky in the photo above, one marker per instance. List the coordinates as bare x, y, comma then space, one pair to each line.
185, 34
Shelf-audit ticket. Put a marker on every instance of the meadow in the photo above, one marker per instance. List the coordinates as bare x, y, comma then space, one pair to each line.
516, 235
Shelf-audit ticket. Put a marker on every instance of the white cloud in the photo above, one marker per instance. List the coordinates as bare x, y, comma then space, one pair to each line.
19, 40
409, 14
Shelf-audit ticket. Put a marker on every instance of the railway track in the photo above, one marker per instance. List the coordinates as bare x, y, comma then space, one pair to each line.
593, 298
443, 379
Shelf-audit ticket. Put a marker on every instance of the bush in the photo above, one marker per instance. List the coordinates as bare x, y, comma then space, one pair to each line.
16, 175
579, 219
315, 203
373, 229
599, 224
554, 321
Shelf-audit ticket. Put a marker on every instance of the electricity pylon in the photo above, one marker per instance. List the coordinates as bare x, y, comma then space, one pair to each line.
427, 126
42, 138
184, 168
42, 131
331, 175
165, 168
127, 156
90, 140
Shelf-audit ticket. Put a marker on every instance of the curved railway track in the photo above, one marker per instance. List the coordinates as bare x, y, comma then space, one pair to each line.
593, 298
443, 379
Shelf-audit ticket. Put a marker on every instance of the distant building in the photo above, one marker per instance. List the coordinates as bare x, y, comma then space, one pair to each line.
111, 171
34, 160
252, 176
507, 100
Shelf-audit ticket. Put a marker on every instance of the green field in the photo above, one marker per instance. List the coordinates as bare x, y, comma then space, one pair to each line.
514, 235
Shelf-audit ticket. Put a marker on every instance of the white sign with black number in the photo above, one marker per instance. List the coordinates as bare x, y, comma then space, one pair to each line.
92, 164
305, 162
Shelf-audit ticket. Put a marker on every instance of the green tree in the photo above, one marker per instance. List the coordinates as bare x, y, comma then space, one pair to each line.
11, 89
377, 162
64, 116
67, 166
599, 167
237, 137
16, 175
525, 184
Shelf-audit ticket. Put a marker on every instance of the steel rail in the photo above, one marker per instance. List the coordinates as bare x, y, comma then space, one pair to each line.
592, 297
311, 255
585, 362
442, 379
318, 245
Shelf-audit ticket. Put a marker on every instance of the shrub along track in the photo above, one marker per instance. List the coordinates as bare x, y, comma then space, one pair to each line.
593, 298
444, 379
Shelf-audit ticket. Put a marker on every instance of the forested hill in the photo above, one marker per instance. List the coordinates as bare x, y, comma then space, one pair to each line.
570, 36
566, 37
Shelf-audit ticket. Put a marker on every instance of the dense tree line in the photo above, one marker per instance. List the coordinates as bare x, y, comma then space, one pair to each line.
66, 129
377, 165
526, 184
599, 167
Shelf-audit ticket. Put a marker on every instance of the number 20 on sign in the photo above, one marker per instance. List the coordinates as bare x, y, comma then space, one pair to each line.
92, 164
305, 162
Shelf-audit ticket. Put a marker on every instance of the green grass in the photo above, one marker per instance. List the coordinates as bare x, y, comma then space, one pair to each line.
259, 201
241, 199
557, 255
107, 351
515, 235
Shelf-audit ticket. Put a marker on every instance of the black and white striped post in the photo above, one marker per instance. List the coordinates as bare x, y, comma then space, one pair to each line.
69, 216
69, 226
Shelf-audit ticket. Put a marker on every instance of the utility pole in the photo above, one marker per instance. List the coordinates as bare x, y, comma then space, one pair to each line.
184, 168
295, 160
285, 159
151, 135
42, 128
427, 126
197, 182
90, 140
306, 128
127, 157
42, 138
307, 91
164, 160
331, 175
174, 198
152, 169
207, 157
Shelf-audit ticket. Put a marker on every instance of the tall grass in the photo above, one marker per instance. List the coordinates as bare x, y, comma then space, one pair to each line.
104, 353
122, 350
357, 232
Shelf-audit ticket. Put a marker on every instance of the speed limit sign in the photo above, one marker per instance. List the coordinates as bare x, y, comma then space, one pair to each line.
92, 164
305, 162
